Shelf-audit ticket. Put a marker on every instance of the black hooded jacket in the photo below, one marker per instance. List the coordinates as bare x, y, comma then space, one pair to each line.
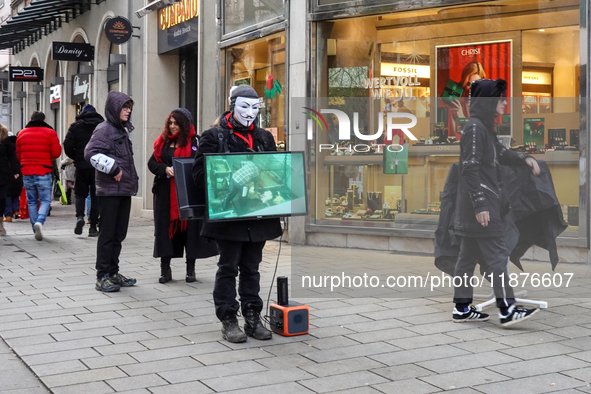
110, 151
78, 136
480, 187
220, 139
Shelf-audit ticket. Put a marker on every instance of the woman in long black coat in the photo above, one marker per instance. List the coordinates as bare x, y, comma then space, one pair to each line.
172, 235
9, 169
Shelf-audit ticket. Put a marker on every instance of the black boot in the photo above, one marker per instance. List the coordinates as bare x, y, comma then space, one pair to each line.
191, 272
165, 271
231, 330
79, 225
253, 326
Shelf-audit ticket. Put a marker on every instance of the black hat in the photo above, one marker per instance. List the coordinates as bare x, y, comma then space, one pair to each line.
186, 113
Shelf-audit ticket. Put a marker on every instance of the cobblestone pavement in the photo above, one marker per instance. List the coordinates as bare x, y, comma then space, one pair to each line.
155, 338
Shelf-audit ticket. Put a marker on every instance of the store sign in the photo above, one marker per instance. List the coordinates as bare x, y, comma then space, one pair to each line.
118, 30
25, 74
72, 51
400, 70
80, 88
178, 25
536, 78
178, 13
56, 94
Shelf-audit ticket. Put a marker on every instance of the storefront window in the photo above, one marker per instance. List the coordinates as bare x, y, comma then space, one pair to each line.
421, 63
261, 64
242, 14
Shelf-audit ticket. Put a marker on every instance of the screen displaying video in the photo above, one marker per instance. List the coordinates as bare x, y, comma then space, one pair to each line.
255, 185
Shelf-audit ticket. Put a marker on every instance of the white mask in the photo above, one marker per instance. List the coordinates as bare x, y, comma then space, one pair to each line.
246, 110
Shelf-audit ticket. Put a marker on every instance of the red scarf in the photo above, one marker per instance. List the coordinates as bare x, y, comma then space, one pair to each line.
181, 151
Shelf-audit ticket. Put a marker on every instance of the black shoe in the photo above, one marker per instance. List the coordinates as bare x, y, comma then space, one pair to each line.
93, 231
122, 280
190, 273
165, 274
79, 225
231, 330
516, 314
471, 315
253, 326
106, 284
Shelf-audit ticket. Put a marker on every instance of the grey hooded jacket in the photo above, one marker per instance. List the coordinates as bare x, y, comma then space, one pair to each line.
110, 151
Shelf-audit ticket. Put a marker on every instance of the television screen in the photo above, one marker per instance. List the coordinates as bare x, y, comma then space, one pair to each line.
186, 191
255, 185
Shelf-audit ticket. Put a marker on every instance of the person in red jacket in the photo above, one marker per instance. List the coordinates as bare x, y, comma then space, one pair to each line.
36, 147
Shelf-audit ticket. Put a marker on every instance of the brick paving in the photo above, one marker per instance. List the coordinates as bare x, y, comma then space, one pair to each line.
60, 335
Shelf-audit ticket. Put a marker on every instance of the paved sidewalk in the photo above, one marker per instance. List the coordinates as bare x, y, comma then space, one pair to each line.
159, 339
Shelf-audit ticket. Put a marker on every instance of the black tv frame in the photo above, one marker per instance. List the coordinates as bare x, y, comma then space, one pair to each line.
242, 218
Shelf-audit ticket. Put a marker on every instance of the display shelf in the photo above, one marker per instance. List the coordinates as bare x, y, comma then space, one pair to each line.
556, 157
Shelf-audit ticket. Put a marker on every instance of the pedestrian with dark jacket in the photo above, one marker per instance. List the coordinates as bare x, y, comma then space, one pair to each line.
75, 142
9, 169
171, 234
110, 152
14, 190
480, 205
37, 146
240, 243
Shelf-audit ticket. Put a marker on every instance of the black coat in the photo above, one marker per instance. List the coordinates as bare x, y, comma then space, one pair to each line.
15, 186
9, 166
240, 230
481, 153
535, 216
110, 150
196, 246
78, 136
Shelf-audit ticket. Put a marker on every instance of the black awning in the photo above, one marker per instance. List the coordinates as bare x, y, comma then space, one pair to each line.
38, 19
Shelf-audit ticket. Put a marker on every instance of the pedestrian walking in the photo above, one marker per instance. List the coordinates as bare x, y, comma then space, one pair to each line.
9, 169
172, 235
69, 177
76, 140
37, 146
14, 190
110, 152
240, 243
480, 205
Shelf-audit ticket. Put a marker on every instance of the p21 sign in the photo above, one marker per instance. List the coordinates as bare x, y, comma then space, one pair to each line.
25, 74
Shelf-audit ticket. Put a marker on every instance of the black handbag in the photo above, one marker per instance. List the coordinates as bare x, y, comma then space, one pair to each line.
57, 193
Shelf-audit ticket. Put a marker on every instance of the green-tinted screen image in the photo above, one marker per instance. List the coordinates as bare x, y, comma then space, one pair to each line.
255, 185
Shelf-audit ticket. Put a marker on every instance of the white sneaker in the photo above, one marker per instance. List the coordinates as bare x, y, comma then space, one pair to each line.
38, 227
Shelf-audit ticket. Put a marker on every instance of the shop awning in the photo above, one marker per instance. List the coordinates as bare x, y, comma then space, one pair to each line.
38, 19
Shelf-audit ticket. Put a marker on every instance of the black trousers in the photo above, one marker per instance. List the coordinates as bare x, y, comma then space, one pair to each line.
84, 185
114, 222
493, 254
235, 257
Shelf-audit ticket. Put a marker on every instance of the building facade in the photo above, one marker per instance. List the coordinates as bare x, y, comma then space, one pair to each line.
371, 57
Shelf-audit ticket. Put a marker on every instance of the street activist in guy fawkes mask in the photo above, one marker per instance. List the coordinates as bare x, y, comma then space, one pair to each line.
240, 243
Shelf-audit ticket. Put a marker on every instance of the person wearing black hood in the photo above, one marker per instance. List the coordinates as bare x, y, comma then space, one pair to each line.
479, 205
78, 136
240, 243
110, 152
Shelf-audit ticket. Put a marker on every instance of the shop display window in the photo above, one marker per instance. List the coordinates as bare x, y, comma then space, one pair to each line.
421, 63
240, 15
261, 64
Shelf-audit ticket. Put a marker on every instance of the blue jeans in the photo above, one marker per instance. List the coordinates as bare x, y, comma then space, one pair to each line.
38, 187
12, 205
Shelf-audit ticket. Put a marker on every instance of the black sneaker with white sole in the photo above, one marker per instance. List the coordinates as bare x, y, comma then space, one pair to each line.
471, 315
516, 314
